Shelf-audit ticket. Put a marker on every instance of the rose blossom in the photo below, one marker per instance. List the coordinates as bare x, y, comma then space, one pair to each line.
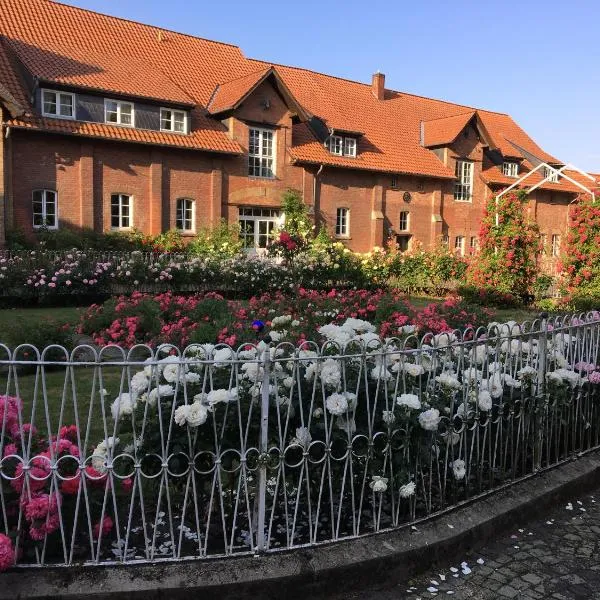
430, 419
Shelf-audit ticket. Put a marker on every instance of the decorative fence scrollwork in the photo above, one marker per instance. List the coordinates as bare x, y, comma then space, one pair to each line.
165, 454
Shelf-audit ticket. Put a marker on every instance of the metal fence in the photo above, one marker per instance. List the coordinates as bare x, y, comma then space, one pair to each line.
151, 455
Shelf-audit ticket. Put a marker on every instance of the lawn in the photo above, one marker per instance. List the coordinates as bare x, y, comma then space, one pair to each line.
62, 314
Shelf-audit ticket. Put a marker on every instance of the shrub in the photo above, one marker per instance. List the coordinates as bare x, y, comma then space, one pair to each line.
487, 296
508, 250
222, 241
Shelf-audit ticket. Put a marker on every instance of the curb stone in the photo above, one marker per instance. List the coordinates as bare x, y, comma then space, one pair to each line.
318, 571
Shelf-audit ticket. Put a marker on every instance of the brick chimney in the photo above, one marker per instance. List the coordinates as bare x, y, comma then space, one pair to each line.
378, 85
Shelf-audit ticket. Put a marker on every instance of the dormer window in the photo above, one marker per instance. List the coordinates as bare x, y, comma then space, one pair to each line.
173, 120
551, 174
342, 146
510, 168
60, 105
118, 112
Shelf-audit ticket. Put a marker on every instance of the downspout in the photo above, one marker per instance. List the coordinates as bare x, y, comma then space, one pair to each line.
319, 171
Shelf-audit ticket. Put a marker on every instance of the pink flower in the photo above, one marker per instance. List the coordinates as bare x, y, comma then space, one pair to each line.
104, 528
127, 485
70, 487
7, 553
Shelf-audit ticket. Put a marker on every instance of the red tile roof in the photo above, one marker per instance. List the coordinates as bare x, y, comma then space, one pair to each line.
443, 132
229, 94
80, 48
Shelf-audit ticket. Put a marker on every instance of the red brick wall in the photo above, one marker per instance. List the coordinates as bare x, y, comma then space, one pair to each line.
464, 218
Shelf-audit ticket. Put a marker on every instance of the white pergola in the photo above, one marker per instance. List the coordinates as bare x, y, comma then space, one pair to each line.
551, 174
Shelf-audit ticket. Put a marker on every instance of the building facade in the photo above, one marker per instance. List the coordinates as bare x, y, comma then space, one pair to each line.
113, 125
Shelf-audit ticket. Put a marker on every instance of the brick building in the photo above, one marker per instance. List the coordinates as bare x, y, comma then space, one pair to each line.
113, 125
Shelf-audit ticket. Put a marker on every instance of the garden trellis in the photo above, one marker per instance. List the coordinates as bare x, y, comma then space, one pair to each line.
168, 454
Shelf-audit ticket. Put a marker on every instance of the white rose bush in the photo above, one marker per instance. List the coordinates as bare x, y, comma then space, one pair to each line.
347, 434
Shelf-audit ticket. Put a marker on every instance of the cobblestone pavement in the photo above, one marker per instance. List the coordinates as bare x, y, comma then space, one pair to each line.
554, 557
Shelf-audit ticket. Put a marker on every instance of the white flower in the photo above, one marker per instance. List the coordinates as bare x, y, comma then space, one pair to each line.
217, 396
381, 373
162, 391
409, 400
493, 385
295, 323
357, 326
318, 413
471, 375
458, 467
123, 405
181, 414
388, 417
288, 382
461, 411
570, 377
407, 490
478, 354
484, 400
101, 452
378, 483
554, 377
197, 414
303, 437
414, 370
282, 321
276, 336
430, 419
172, 372
139, 383
448, 380
337, 404
407, 329
222, 356
331, 374
526, 372
192, 377
252, 371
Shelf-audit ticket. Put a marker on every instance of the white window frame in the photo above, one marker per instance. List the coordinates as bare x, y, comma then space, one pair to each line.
395, 183
173, 111
342, 222
543, 242
336, 145
407, 227
552, 174
474, 243
350, 146
260, 156
555, 244
192, 218
58, 104
257, 215
459, 244
463, 187
120, 104
510, 168
44, 212
121, 227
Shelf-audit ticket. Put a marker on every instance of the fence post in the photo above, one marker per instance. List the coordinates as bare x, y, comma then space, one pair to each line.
540, 396
261, 541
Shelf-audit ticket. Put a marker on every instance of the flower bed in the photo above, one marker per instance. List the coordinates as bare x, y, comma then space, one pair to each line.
47, 275
330, 440
180, 320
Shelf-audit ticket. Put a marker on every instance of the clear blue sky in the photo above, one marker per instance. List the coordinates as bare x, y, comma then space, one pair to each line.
538, 61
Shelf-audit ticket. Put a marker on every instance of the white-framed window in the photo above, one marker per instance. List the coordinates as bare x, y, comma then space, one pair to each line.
257, 226
336, 145
342, 222
459, 245
463, 187
261, 153
58, 104
552, 175
349, 146
342, 146
404, 221
121, 211
394, 184
510, 168
185, 212
173, 120
445, 240
45, 209
543, 243
119, 112
474, 243
555, 245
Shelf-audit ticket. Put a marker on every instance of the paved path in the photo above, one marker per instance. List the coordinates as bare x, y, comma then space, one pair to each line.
556, 557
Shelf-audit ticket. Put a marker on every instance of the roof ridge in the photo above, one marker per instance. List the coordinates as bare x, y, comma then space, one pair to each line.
474, 108
242, 76
148, 25
466, 112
